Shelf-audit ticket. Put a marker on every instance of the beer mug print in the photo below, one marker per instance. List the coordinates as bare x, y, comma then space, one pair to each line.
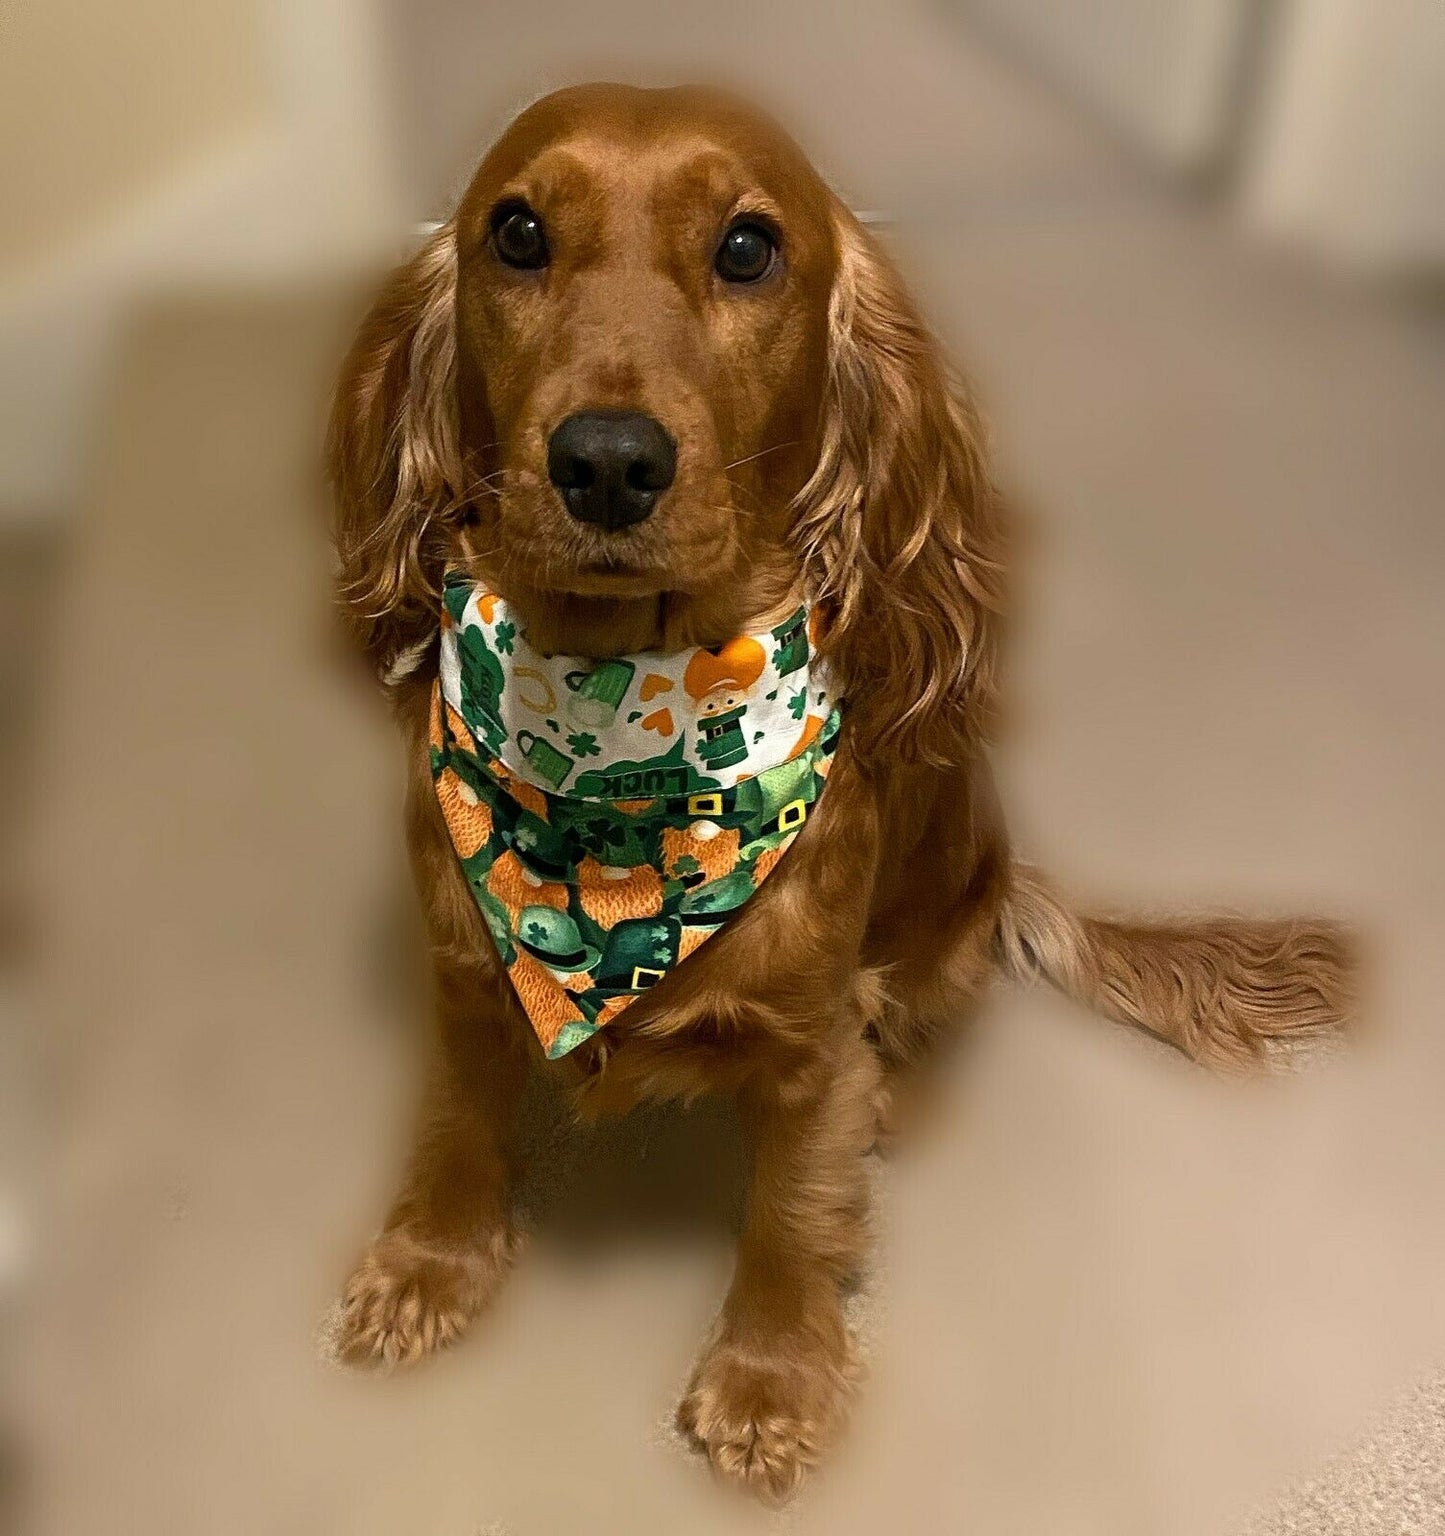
598, 694
550, 764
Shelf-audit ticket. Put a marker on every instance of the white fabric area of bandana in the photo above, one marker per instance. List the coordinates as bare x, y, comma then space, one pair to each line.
653, 723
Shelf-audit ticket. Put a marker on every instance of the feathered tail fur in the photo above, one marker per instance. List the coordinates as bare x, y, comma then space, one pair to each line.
1221, 989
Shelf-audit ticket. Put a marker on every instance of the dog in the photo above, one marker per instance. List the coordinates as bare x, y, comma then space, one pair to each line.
653, 388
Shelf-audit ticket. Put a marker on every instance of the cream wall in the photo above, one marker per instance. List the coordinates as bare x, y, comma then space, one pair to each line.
1350, 153
1163, 71
151, 144
1328, 114
101, 103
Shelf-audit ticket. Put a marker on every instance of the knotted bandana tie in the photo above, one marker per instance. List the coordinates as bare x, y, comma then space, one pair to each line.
610, 816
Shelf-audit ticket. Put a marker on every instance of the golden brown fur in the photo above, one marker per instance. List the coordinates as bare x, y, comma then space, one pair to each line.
821, 446
1219, 988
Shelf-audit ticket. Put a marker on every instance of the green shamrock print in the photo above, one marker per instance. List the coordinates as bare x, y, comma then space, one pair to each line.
506, 635
584, 744
602, 834
798, 703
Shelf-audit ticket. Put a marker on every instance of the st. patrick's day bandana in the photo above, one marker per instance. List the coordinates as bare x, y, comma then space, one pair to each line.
611, 816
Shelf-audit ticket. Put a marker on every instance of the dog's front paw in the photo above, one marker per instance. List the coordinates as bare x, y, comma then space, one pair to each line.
405, 1300
765, 1411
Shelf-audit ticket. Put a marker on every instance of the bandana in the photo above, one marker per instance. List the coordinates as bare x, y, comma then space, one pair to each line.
610, 816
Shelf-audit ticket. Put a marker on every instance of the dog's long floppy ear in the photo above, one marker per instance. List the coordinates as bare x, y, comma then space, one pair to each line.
900, 524
395, 459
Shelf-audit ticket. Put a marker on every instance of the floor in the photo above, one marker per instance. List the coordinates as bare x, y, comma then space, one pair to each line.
1111, 1296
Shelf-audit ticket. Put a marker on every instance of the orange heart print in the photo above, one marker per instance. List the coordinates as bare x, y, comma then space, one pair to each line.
738, 664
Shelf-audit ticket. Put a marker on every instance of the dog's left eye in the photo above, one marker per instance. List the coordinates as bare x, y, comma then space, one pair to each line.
746, 254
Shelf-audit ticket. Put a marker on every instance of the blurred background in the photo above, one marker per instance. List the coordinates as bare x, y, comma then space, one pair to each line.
1191, 250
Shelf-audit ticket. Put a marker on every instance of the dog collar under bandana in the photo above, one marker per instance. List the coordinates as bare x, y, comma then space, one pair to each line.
612, 815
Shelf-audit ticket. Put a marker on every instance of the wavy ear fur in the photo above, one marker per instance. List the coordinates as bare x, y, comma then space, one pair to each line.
395, 459
900, 524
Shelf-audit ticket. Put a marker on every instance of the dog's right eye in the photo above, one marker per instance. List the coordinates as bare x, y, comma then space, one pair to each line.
518, 237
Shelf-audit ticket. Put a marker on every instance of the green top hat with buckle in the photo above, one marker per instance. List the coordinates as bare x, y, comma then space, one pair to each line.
482, 684
639, 953
792, 638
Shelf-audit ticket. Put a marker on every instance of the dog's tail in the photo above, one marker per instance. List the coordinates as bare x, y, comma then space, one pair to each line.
1219, 988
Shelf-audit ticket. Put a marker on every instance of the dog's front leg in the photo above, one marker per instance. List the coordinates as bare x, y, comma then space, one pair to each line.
448, 1239
770, 1390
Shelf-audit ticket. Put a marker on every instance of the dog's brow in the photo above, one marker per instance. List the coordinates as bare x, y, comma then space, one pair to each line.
713, 183
557, 174
711, 168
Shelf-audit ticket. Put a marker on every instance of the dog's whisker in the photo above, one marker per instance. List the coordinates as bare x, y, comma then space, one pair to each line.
761, 453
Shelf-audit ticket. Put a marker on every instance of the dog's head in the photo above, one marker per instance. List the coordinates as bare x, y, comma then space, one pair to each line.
652, 380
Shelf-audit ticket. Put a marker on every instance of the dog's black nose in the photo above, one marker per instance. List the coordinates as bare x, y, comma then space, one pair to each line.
611, 466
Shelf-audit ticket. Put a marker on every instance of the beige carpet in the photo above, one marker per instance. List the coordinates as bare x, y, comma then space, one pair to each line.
1391, 1483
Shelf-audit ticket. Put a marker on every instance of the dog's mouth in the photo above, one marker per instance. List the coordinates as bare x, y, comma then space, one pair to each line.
614, 578
682, 546
620, 566
641, 560
618, 569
